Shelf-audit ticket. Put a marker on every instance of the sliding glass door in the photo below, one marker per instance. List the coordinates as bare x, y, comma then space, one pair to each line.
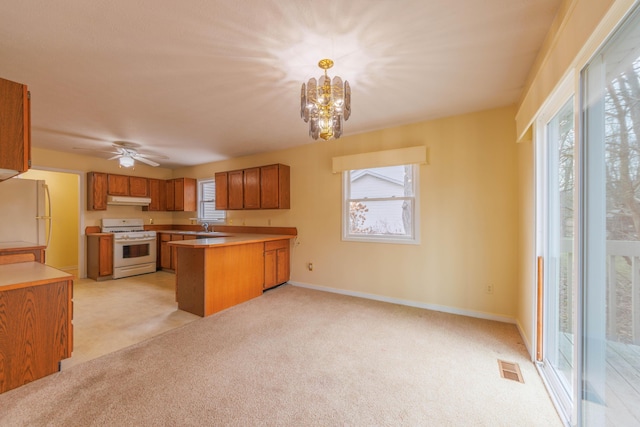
610, 350
557, 184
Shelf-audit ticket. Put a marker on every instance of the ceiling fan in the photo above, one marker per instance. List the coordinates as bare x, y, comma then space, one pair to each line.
127, 154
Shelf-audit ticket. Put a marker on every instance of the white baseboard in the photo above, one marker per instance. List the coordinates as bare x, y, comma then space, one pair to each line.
526, 342
434, 307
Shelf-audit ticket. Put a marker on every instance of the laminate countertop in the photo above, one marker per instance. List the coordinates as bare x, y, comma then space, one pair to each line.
195, 233
25, 274
230, 240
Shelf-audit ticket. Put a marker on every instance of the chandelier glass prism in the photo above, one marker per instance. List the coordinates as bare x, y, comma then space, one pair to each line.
325, 104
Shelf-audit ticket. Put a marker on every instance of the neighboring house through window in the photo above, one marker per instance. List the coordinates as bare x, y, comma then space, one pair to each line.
207, 202
381, 204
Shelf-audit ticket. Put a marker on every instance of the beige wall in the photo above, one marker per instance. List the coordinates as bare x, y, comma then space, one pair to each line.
569, 35
468, 221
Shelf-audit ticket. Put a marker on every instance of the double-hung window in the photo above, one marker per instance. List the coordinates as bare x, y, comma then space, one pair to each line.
381, 204
207, 201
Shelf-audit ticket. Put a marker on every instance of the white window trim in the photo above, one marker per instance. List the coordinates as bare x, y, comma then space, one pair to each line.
201, 217
409, 240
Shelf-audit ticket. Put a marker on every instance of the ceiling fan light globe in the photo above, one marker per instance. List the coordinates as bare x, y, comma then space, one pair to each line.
126, 161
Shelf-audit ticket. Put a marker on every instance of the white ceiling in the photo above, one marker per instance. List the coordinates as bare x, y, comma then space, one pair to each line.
204, 80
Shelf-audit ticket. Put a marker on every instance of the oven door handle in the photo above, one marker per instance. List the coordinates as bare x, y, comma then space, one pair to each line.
134, 240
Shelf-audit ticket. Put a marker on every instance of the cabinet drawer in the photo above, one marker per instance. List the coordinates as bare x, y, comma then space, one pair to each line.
275, 245
164, 237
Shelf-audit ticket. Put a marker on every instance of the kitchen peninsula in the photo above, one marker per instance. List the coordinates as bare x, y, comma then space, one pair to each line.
216, 273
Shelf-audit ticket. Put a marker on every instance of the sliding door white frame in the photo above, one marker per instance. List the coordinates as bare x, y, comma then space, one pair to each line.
563, 399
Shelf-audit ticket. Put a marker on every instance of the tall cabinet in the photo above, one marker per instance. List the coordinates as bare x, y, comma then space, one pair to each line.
15, 129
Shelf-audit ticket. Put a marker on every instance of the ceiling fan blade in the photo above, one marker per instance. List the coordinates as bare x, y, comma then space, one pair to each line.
147, 161
117, 156
95, 150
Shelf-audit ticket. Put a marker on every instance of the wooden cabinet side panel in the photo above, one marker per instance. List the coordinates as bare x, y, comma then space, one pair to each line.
26, 96
96, 191
190, 280
14, 120
189, 195
34, 332
236, 190
284, 187
251, 183
222, 201
93, 257
106, 255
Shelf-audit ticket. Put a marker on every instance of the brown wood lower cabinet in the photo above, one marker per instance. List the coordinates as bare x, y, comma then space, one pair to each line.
215, 274
100, 256
36, 330
167, 253
211, 279
276, 263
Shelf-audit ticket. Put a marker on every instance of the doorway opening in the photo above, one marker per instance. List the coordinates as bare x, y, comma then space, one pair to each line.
65, 250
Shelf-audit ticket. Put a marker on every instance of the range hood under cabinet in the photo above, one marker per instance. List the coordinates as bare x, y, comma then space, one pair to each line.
128, 201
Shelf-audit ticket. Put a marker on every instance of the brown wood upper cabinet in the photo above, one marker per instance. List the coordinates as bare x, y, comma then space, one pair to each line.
264, 187
15, 129
96, 191
138, 186
181, 194
118, 185
251, 183
123, 185
178, 194
236, 190
158, 195
275, 187
222, 191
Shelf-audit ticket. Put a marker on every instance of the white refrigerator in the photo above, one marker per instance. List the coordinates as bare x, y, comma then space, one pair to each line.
25, 211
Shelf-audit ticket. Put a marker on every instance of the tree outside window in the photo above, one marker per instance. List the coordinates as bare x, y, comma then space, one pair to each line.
380, 204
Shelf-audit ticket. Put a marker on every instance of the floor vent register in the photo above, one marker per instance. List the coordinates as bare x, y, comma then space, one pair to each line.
510, 371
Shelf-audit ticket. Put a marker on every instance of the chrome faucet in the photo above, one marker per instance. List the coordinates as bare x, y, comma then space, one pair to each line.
205, 226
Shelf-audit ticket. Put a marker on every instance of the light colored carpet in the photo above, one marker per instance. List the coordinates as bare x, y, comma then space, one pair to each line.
299, 357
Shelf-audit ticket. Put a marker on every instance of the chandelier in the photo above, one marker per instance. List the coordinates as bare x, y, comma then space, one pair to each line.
324, 104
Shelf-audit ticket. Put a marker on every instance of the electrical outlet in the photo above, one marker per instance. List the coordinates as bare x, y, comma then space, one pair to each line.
489, 289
